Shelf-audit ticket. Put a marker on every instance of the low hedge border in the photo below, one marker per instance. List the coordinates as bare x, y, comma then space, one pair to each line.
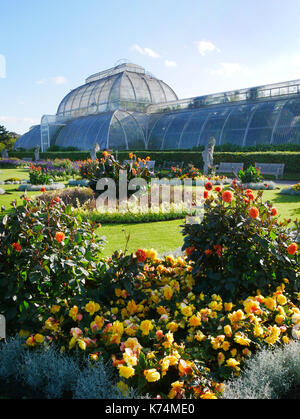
291, 159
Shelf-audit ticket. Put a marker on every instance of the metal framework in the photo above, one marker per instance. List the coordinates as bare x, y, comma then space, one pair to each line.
127, 108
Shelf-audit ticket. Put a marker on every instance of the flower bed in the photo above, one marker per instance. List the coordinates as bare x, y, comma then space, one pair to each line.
172, 327
294, 190
38, 188
258, 186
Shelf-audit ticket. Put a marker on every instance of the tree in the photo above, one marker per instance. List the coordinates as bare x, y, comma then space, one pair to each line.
7, 139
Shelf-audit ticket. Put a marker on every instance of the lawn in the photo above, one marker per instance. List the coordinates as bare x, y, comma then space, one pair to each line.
162, 236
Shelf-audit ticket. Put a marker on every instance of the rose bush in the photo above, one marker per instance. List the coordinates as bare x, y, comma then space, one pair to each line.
46, 252
240, 246
162, 337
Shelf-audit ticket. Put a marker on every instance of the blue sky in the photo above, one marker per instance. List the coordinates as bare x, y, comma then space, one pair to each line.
48, 47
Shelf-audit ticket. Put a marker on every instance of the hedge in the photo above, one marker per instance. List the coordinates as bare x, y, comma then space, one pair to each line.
290, 159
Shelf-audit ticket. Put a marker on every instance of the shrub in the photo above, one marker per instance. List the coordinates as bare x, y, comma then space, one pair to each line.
240, 246
269, 374
38, 175
144, 317
46, 253
251, 174
71, 196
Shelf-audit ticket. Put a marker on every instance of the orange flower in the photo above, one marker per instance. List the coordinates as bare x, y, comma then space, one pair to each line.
253, 212
208, 252
248, 192
274, 212
227, 196
59, 237
218, 188
292, 249
43, 189
17, 247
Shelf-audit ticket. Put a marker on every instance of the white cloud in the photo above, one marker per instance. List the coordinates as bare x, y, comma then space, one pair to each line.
2, 67
145, 51
206, 46
169, 63
228, 69
59, 80
17, 119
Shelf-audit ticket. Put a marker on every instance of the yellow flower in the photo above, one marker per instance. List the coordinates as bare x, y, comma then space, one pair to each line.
228, 306
98, 323
81, 344
195, 321
73, 312
187, 311
221, 358
168, 292
92, 307
161, 310
274, 335
281, 299
225, 346
39, 338
55, 309
269, 303
151, 254
228, 330
279, 319
258, 330
126, 372
177, 387
236, 316
94, 357
152, 375
129, 357
146, 326
199, 336
241, 339
114, 310
30, 341
208, 395
173, 326
215, 305
233, 363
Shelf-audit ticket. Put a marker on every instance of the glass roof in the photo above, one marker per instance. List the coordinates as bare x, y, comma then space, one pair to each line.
125, 87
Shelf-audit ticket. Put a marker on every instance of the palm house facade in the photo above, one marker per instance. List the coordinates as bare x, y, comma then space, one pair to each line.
126, 108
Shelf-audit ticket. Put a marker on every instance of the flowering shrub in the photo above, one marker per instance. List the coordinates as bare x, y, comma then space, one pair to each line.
38, 175
163, 338
240, 246
108, 167
251, 174
46, 252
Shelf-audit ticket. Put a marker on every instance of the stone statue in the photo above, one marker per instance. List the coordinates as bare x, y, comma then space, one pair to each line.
208, 155
37, 153
94, 151
4, 153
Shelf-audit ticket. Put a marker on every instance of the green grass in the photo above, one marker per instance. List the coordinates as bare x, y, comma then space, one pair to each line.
162, 236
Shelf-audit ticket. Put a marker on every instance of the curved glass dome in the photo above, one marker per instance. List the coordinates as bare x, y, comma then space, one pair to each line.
126, 87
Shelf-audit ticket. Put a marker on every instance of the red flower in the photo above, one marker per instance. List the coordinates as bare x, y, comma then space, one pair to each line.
17, 247
190, 250
218, 249
141, 255
274, 212
251, 196
227, 196
292, 249
205, 194
208, 252
248, 191
57, 199
43, 189
253, 212
218, 188
208, 186
60, 237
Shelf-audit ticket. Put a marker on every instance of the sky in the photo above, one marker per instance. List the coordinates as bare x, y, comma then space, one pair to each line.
198, 47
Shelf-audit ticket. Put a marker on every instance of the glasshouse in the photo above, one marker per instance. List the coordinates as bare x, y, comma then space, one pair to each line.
128, 108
